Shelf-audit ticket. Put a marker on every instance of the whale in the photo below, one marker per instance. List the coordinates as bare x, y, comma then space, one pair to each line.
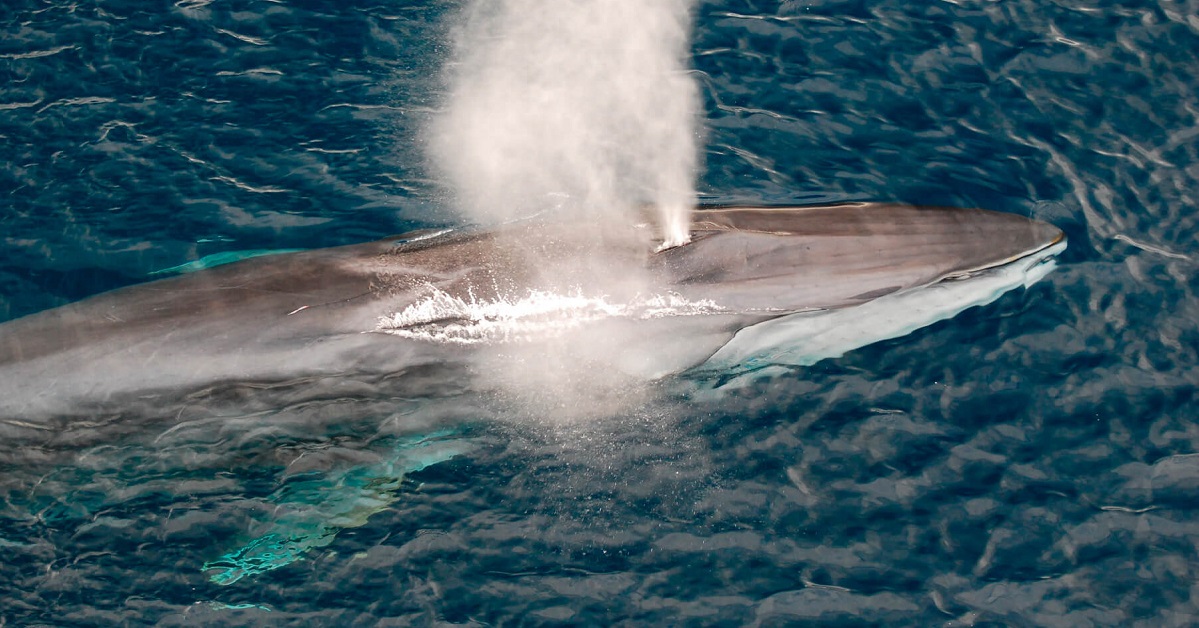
414, 314
370, 362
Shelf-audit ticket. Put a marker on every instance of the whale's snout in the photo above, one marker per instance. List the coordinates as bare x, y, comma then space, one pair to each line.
797, 258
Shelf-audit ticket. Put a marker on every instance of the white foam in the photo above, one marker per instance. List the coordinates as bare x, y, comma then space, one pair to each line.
443, 318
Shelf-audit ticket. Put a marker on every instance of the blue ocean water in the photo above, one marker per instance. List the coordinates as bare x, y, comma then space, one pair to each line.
1031, 462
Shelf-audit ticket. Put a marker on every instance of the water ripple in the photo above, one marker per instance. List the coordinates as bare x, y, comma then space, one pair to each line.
1027, 463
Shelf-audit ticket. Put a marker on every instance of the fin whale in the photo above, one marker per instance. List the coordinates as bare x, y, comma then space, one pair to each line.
412, 314
300, 362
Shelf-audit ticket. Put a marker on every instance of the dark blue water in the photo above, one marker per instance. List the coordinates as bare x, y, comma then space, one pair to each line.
1031, 462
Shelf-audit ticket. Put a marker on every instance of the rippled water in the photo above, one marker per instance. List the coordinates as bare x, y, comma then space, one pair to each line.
1031, 462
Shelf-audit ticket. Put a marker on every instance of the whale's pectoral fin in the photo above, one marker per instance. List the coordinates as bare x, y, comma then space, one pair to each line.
311, 510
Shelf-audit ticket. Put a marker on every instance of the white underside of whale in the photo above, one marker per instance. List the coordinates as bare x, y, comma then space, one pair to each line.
805, 338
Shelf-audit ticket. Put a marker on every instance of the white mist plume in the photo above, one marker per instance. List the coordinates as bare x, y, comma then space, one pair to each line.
580, 113
581, 110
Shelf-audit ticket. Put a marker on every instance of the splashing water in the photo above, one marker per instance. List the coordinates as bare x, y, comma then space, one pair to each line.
579, 109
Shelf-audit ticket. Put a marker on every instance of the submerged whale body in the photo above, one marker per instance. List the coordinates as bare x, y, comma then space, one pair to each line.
411, 315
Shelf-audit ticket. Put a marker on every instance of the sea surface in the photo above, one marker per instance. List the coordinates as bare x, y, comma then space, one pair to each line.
1033, 462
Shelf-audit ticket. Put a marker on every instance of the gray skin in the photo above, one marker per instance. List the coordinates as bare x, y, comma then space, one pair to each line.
298, 328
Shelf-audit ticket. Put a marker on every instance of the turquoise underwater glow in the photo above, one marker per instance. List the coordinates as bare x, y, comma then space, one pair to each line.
310, 509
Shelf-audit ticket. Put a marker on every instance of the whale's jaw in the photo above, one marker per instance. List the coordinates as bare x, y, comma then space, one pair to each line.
805, 338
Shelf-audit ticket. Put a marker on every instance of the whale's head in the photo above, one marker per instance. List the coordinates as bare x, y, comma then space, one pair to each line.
788, 259
826, 280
